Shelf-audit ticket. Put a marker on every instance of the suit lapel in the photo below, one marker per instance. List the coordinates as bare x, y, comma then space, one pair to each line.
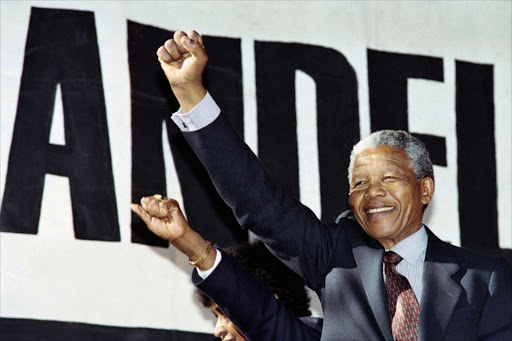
369, 263
440, 293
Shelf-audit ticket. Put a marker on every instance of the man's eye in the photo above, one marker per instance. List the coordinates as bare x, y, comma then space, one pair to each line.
359, 183
389, 177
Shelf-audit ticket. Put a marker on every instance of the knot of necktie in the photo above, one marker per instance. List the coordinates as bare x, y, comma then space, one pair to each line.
391, 257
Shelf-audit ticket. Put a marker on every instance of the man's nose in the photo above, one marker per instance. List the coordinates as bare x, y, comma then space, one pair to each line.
220, 328
374, 190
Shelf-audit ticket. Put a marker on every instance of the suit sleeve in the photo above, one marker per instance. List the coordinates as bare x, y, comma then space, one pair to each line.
250, 305
496, 317
290, 230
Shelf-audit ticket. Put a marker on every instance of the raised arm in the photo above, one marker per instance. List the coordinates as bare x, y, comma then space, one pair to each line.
243, 298
291, 231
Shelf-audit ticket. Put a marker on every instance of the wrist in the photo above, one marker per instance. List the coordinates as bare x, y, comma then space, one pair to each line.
195, 248
198, 262
209, 260
188, 95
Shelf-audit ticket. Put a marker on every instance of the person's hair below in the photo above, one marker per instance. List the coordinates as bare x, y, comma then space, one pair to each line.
415, 149
283, 282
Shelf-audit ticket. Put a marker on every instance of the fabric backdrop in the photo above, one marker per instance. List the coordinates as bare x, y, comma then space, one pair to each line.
85, 130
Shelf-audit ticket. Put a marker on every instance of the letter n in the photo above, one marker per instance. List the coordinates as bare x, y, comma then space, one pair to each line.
152, 106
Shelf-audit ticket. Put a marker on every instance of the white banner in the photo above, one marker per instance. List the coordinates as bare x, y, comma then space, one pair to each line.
52, 275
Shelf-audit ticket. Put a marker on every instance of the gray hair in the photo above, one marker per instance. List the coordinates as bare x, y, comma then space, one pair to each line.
415, 149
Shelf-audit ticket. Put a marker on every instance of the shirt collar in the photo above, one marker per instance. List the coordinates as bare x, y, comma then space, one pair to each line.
414, 247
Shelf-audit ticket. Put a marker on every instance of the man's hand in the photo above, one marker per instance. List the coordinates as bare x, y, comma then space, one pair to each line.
183, 60
163, 217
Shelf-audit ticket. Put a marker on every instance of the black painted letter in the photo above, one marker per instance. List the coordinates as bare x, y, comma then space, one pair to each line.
337, 117
61, 49
387, 77
476, 156
152, 105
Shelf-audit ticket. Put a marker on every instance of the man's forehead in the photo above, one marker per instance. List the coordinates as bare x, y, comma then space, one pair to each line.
379, 154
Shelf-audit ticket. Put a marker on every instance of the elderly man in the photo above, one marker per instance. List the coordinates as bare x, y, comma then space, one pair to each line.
380, 273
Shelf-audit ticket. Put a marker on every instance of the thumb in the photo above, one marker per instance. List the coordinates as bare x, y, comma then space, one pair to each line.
174, 210
194, 47
138, 210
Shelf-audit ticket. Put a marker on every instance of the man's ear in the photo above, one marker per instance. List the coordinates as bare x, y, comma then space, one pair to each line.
427, 189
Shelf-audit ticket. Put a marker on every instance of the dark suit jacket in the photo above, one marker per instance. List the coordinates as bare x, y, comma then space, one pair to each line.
252, 307
465, 296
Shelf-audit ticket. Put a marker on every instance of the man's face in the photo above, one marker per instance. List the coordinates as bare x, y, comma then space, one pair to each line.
224, 328
385, 196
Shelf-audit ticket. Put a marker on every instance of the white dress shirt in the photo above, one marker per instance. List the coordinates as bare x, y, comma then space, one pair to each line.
412, 249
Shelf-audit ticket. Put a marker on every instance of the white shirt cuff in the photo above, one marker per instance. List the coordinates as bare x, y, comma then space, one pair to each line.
204, 113
205, 274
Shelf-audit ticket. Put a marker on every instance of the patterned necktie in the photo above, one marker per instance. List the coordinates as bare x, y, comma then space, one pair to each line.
403, 306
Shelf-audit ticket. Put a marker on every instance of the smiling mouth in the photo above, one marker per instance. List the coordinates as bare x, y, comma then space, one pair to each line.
380, 209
